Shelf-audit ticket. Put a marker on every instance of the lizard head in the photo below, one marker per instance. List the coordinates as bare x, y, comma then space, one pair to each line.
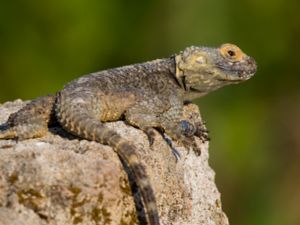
203, 69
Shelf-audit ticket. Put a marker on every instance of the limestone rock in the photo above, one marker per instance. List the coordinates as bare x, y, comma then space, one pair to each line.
62, 180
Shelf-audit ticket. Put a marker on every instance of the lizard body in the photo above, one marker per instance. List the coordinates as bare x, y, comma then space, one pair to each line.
148, 95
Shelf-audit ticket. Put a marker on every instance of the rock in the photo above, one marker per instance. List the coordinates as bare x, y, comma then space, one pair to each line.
60, 179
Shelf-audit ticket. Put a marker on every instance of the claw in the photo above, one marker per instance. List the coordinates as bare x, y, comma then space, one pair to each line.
150, 134
190, 142
175, 152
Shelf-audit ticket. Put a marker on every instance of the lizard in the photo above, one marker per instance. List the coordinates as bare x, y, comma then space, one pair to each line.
147, 95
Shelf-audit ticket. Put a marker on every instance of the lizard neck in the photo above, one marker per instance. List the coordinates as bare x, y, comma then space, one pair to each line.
186, 80
179, 76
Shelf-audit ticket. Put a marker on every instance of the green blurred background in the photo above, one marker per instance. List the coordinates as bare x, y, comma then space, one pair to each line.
255, 147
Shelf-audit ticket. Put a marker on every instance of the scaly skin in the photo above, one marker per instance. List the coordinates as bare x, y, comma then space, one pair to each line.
149, 95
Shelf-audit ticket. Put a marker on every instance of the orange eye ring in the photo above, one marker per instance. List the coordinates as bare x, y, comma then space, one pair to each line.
231, 52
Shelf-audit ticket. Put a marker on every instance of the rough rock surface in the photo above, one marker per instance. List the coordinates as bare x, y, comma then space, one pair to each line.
59, 179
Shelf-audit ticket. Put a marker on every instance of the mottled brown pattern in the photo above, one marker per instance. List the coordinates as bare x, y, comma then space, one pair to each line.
149, 95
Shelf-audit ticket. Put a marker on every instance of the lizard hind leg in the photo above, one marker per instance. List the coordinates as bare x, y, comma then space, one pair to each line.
30, 121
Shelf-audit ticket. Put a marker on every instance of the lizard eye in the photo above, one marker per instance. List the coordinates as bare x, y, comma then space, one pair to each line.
231, 52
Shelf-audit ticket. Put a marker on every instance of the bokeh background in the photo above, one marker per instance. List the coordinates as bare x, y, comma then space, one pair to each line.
255, 126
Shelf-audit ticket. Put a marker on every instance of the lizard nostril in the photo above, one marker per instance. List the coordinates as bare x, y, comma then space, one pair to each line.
251, 62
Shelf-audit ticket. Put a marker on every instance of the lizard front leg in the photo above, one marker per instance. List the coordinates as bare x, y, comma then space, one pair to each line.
145, 118
186, 127
182, 131
158, 112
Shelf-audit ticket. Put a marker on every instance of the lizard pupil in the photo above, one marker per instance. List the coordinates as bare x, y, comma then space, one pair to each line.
231, 53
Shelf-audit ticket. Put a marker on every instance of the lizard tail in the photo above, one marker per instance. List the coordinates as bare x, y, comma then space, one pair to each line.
86, 126
127, 152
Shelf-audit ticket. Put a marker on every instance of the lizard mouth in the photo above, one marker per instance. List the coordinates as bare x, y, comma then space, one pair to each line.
236, 75
237, 71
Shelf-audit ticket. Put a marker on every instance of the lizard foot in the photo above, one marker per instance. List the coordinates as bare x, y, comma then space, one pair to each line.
187, 142
202, 132
190, 143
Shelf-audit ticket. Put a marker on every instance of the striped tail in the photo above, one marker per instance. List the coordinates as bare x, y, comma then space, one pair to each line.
84, 125
127, 153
